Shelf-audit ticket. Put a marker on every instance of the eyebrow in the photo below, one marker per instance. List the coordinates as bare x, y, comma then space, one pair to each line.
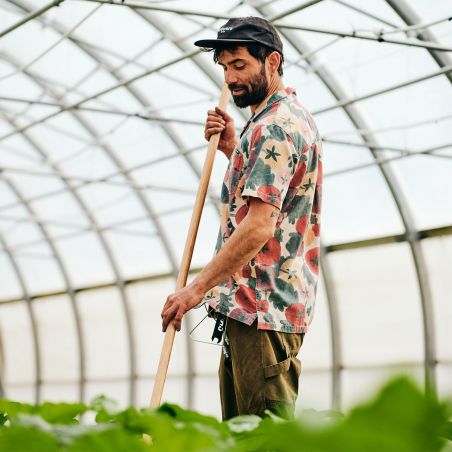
236, 60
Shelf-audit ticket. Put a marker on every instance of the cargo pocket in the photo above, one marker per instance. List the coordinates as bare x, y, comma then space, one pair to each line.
281, 380
281, 371
276, 369
281, 386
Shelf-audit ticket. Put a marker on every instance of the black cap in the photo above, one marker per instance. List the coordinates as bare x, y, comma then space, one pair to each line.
245, 29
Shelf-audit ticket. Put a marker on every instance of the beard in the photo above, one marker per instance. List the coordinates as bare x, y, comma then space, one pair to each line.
255, 92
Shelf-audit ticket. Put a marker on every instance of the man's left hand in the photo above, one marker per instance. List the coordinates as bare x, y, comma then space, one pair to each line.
178, 303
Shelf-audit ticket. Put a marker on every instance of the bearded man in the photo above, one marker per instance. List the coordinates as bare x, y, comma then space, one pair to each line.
263, 276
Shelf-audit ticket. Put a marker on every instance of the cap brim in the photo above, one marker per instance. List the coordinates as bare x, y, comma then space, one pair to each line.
214, 43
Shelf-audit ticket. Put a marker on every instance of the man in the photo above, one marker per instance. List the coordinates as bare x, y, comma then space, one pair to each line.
264, 274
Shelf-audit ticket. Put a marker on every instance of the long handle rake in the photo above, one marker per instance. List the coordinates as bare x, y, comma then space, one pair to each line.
187, 256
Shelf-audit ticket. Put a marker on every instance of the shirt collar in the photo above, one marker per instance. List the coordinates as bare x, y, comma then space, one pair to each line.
267, 103
270, 100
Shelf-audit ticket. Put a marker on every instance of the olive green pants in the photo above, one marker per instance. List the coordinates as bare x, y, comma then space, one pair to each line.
259, 370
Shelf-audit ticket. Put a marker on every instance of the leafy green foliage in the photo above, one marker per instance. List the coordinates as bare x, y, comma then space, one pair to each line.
400, 419
21, 439
61, 413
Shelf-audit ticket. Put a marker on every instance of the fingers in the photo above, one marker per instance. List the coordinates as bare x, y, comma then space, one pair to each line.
178, 319
216, 115
218, 121
172, 311
219, 115
214, 124
175, 316
212, 131
223, 114
167, 317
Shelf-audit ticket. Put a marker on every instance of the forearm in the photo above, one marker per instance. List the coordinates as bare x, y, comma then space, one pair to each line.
242, 246
250, 236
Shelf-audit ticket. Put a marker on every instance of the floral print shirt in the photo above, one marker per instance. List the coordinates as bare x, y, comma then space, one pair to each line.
279, 160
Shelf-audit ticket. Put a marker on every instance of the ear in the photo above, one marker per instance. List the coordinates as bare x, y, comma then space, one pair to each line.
273, 61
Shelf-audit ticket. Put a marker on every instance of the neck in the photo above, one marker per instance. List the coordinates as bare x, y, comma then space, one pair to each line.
274, 85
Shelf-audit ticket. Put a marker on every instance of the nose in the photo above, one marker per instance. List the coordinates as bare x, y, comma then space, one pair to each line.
230, 76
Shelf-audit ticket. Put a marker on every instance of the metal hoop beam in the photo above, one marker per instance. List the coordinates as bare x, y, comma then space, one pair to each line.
31, 316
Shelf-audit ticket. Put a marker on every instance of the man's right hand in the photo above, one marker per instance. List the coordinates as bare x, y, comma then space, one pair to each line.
218, 121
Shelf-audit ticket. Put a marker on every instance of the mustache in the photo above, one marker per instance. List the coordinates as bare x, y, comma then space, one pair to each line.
234, 86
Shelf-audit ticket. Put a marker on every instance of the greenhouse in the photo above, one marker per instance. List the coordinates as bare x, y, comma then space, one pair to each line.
103, 106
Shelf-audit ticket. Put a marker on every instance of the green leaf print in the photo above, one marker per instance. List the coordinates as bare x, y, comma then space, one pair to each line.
269, 320
224, 194
276, 132
261, 175
245, 145
312, 160
288, 122
225, 303
271, 153
300, 206
279, 235
293, 244
293, 162
284, 296
309, 185
286, 326
308, 275
298, 141
219, 243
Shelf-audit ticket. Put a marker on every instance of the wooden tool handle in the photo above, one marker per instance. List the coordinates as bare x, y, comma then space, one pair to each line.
188, 253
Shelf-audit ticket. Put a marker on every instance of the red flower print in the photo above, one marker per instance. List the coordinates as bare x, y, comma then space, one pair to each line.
319, 172
246, 271
312, 259
235, 313
316, 229
264, 326
262, 305
270, 253
237, 162
295, 314
269, 194
241, 213
302, 224
246, 298
317, 200
256, 135
298, 175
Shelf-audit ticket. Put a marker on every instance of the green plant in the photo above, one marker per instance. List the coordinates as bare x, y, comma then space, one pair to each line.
400, 418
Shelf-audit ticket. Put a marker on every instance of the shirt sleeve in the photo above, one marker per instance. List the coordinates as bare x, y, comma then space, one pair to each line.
272, 157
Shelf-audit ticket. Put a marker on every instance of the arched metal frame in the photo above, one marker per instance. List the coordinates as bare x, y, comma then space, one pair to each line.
353, 112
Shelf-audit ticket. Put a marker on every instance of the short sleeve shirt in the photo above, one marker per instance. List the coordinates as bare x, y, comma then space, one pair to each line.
278, 160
